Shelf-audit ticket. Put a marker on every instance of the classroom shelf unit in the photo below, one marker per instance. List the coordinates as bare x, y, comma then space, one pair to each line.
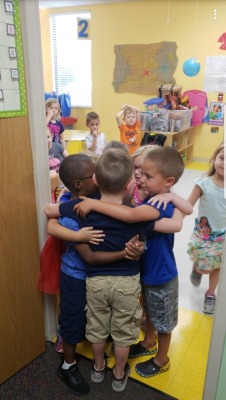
183, 141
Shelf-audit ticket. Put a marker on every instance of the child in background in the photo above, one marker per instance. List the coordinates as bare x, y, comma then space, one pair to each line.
95, 141
53, 121
206, 244
161, 169
128, 120
56, 150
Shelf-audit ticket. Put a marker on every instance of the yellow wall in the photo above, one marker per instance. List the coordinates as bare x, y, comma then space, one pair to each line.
191, 26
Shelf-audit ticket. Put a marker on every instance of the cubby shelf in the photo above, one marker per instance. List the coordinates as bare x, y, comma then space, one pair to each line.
183, 141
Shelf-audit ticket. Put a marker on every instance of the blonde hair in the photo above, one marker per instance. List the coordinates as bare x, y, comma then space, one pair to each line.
211, 171
52, 101
128, 110
142, 150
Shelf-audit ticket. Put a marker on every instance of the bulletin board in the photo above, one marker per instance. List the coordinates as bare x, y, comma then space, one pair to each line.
13, 100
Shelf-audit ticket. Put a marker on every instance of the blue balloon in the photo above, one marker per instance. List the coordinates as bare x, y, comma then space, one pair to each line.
191, 67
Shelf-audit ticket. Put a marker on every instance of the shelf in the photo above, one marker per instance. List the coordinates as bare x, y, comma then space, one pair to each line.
182, 141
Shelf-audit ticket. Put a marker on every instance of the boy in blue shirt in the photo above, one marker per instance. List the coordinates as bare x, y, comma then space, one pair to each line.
161, 169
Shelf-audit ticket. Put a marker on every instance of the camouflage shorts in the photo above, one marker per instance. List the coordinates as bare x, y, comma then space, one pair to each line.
161, 304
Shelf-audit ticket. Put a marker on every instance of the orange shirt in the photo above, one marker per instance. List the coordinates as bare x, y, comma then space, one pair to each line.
130, 135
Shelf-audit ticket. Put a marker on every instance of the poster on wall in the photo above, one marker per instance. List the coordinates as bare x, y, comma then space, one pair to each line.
13, 100
141, 68
215, 74
216, 114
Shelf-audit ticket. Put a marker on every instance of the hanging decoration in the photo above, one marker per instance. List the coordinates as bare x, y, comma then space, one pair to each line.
191, 67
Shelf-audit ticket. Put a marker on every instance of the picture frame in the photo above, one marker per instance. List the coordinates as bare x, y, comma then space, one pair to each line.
11, 29
216, 113
9, 7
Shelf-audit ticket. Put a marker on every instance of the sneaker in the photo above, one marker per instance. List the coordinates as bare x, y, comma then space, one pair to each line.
195, 277
137, 350
98, 376
209, 304
118, 385
59, 345
73, 380
149, 368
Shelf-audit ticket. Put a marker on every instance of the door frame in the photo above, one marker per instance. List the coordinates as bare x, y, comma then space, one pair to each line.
30, 23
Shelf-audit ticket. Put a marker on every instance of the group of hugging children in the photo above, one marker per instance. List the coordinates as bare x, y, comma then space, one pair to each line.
118, 217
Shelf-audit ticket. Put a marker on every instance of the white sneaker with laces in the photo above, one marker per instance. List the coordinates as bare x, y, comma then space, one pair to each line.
209, 304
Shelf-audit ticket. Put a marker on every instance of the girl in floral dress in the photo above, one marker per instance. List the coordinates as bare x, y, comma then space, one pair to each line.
207, 241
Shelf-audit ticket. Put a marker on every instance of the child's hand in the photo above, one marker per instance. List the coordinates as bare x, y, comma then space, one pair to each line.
49, 112
84, 207
95, 132
89, 235
134, 248
163, 198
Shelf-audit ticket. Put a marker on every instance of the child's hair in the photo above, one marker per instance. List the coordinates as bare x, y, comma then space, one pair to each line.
168, 162
52, 101
115, 144
128, 110
74, 167
143, 150
91, 115
114, 171
212, 169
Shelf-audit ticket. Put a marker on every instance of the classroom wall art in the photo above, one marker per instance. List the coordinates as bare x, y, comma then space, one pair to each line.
13, 100
141, 68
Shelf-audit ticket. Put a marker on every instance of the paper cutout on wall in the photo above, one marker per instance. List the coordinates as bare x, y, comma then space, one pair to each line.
222, 39
140, 68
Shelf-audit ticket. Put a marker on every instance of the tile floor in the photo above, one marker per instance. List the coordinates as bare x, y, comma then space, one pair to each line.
191, 338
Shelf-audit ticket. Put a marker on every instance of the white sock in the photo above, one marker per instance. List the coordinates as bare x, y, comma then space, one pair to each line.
67, 366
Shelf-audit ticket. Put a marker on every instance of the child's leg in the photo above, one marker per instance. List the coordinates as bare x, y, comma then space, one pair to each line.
213, 281
72, 319
161, 357
98, 355
121, 356
69, 352
150, 335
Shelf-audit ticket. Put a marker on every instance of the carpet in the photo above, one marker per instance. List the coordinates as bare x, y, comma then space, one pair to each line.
38, 381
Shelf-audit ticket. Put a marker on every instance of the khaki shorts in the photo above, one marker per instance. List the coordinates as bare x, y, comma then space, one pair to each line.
113, 309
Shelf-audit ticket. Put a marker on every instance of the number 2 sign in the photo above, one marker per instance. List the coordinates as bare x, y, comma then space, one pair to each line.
83, 28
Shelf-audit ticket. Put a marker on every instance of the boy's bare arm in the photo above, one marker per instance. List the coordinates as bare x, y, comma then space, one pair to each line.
179, 202
134, 249
119, 117
195, 195
170, 225
117, 211
83, 235
52, 210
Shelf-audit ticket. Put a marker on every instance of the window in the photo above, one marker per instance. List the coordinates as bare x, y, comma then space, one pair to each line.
71, 58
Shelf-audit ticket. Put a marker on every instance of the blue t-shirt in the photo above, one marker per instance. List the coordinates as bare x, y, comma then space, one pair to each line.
158, 264
71, 262
117, 233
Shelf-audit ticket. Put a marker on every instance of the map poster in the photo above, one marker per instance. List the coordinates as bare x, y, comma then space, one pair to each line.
141, 68
13, 100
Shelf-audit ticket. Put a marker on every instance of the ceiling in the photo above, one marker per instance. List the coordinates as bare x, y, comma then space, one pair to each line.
74, 3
